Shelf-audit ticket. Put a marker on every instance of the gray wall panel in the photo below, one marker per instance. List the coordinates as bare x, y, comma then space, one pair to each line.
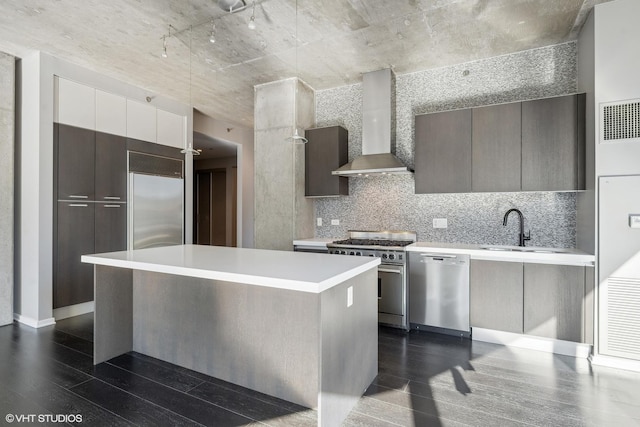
7, 119
254, 336
352, 331
113, 318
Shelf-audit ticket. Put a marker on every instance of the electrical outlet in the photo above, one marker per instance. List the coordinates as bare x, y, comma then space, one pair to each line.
319, 222
335, 222
439, 222
349, 296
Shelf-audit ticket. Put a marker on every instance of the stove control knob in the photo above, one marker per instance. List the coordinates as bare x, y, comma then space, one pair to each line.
371, 254
358, 253
384, 256
400, 257
352, 253
392, 256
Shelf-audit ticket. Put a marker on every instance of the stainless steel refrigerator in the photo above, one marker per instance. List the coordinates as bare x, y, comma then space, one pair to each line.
156, 201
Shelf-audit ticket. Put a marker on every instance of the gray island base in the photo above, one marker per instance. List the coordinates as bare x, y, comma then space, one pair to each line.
315, 348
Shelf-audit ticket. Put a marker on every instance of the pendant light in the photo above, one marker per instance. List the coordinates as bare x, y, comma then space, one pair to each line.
189, 149
296, 137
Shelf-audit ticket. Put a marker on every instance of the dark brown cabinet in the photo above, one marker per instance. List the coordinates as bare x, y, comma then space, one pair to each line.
91, 212
553, 144
496, 148
325, 151
73, 237
74, 150
110, 227
443, 152
110, 167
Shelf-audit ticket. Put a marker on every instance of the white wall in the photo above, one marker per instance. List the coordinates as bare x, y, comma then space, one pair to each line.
242, 136
34, 223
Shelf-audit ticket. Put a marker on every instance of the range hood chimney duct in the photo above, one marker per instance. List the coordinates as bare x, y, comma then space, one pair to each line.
378, 126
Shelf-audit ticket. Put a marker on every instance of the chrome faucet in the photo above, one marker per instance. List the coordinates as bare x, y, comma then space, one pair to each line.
522, 237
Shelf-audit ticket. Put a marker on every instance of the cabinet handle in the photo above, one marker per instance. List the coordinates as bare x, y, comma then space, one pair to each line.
78, 205
111, 206
72, 196
111, 198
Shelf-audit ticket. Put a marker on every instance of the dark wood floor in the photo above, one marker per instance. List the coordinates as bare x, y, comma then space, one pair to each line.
424, 380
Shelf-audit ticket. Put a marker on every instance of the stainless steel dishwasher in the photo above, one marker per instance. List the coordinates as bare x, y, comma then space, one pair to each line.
439, 292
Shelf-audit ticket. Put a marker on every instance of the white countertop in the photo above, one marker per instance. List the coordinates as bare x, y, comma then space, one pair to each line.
298, 271
543, 256
314, 242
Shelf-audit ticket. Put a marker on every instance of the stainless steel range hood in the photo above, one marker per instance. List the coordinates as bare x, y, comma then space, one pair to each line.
378, 116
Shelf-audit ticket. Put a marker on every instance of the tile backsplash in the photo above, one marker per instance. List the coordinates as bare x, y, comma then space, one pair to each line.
389, 202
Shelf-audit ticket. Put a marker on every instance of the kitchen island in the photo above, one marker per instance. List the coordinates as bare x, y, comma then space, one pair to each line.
298, 326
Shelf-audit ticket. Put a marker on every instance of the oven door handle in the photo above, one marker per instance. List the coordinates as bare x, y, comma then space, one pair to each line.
389, 270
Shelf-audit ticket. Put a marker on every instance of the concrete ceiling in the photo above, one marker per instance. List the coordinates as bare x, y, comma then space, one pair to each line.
337, 40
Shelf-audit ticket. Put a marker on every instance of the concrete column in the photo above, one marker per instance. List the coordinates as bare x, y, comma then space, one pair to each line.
282, 213
7, 120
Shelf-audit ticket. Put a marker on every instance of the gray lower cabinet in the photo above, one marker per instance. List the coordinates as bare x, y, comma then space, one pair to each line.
496, 148
73, 237
325, 151
443, 152
553, 301
544, 300
496, 295
553, 144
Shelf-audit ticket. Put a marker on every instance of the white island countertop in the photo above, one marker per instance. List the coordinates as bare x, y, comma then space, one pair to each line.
298, 271
529, 254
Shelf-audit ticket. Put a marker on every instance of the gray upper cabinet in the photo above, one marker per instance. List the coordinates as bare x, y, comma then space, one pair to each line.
443, 152
496, 295
496, 148
523, 146
553, 144
326, 151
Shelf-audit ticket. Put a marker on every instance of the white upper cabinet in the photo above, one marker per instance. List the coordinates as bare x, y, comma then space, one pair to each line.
141, 121
171, 129
111, 113
76, 104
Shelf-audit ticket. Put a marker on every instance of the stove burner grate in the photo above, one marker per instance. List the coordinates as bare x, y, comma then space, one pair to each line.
373, 242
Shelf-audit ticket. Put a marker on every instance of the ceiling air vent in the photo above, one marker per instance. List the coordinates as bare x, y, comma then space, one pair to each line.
620, 121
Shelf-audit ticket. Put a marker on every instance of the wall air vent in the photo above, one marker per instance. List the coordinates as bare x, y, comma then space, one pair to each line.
622, 318
620, 121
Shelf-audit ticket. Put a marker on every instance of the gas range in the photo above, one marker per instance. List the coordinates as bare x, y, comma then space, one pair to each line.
389, 246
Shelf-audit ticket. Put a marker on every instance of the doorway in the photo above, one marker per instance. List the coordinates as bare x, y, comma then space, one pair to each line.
216, 207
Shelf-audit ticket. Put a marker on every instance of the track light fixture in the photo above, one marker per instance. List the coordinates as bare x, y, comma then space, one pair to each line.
252, 20
164, 46
212, 36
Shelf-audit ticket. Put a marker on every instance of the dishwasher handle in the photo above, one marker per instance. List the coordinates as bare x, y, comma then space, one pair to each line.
437, 256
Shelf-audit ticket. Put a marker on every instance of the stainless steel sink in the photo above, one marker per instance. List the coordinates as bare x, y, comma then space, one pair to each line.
523, 249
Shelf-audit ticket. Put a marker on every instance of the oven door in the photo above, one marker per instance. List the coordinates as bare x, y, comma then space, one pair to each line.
392, 295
